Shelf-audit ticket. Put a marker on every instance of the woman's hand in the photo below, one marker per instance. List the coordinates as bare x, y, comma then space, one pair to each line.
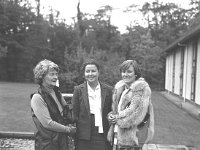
71, 130
112, 118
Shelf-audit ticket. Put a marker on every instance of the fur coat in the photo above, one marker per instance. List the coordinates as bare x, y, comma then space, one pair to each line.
131, 106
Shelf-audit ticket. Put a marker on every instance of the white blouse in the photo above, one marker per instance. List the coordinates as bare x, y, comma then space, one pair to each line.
94, 97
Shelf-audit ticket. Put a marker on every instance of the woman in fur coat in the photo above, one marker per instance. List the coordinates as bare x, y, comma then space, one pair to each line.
132, 116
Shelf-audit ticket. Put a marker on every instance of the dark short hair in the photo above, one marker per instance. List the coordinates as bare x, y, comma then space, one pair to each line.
90, 62
127, 63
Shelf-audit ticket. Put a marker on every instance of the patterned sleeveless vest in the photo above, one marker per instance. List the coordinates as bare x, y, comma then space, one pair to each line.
46, 139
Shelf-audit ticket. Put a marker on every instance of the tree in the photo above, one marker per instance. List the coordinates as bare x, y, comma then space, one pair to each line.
139, 45
28, 37
3, 49
168, 21
194, 14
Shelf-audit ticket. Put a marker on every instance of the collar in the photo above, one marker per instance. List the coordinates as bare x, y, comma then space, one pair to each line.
90, 89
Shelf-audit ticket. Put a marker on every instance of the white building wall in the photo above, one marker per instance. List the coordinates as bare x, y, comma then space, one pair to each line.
170, 80
187, 72
197, 93
177, 72
167, 73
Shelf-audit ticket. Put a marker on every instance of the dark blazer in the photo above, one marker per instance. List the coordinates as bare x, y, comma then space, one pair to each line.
81, 109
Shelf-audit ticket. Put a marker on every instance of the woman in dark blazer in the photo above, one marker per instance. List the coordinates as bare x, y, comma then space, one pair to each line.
91, 104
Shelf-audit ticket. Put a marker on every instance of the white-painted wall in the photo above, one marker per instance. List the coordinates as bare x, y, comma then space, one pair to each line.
187, 72
177, 72
169, 73
189, 75
197, 93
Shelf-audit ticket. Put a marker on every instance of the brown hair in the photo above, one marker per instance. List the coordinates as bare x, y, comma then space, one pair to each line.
127, 63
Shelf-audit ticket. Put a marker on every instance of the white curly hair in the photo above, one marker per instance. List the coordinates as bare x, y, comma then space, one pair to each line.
42, 68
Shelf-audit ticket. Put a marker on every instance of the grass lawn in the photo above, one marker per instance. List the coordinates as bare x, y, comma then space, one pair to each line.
15, 112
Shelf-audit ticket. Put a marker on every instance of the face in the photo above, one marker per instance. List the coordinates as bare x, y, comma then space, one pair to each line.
50, 78
91, 73
128, 76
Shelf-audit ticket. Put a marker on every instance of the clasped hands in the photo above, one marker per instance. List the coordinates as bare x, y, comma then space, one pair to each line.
112, 118
71, 130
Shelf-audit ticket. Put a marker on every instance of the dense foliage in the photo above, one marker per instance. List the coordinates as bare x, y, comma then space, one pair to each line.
27, 36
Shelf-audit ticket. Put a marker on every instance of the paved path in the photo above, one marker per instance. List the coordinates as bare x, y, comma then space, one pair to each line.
168, 147
175, 129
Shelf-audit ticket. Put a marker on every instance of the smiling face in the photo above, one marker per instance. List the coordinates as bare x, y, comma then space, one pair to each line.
50, 78
91, 74
128, 75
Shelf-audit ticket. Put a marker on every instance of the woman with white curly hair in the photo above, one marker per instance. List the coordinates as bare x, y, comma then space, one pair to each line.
47, 106
132, 116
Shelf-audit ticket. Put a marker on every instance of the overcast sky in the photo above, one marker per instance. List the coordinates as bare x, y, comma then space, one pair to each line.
120, 19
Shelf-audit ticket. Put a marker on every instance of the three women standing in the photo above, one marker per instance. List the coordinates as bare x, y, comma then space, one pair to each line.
132, 114
125, 117
91, 103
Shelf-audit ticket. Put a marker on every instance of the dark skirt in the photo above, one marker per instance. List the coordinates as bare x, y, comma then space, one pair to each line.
97, 141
